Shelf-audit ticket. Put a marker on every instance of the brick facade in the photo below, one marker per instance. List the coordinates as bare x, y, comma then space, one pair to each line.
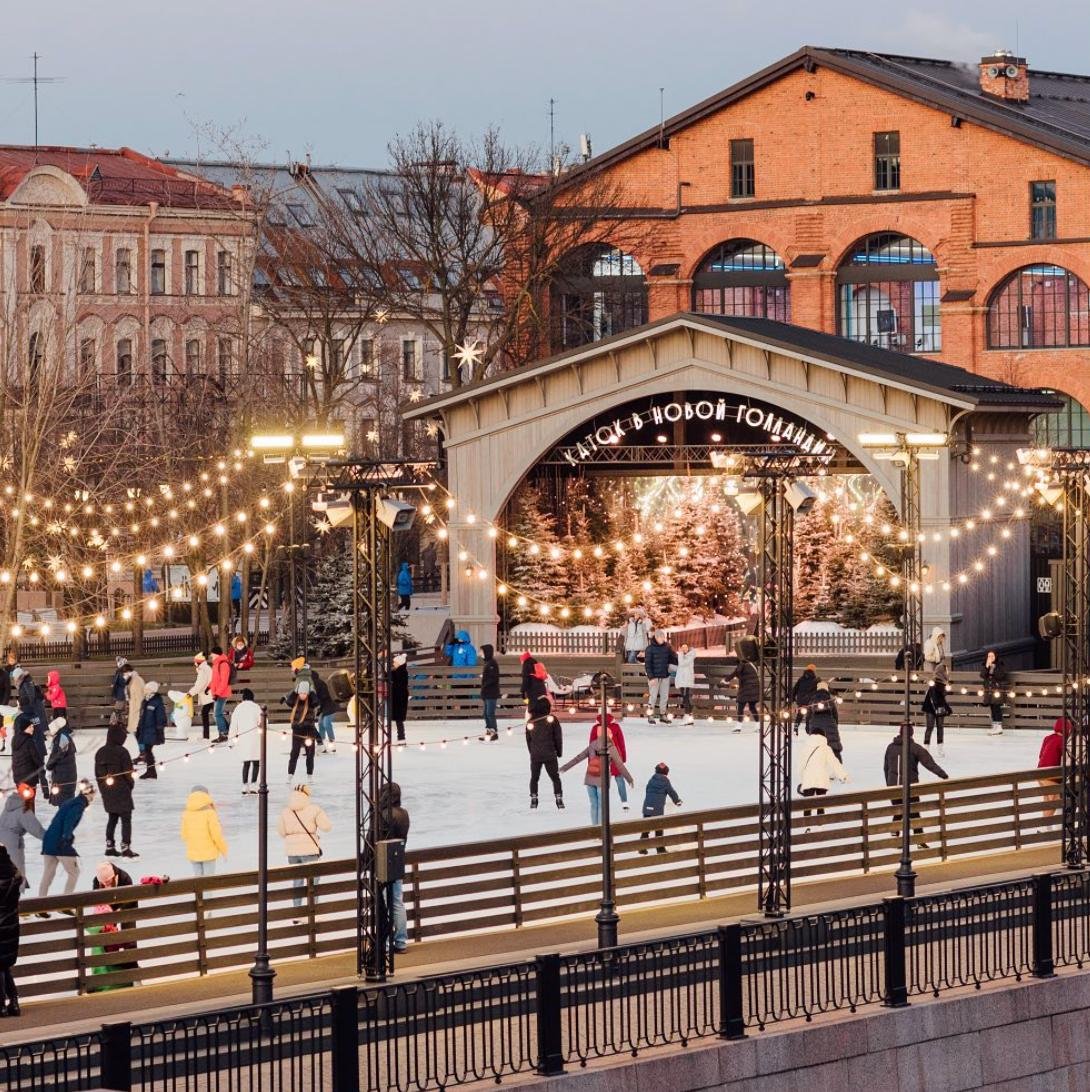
964, 194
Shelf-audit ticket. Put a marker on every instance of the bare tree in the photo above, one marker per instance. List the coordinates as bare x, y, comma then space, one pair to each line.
466, 237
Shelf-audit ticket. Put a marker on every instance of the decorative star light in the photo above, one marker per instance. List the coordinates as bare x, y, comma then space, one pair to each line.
432, 429
55, 527
416, 394
382, 316
69, 464
372, 435
55, 562
323, 526
67, 440
468, 356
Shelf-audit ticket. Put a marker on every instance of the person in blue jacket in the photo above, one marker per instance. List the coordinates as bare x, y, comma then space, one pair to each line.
151, 728
461, 651
404, 587
59, 841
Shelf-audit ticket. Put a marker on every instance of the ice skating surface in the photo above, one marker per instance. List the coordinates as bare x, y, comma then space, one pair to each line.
470, 792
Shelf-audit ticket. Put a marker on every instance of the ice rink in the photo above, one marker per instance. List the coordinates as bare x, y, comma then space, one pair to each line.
471, 791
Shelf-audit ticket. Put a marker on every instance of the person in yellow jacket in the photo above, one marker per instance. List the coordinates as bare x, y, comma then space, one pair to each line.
202, 833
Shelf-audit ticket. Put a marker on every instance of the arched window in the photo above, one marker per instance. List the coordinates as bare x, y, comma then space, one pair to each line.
598, 291
1067, 427
888, 294
743, 277
1039, 307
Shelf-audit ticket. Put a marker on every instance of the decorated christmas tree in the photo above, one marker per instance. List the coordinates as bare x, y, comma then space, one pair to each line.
536, 566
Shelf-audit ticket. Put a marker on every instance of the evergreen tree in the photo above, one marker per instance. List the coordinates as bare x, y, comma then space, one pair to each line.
532, 568
329, 600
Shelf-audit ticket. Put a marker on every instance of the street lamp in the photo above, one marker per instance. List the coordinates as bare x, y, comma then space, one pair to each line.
262, 973
607, 916
906, 449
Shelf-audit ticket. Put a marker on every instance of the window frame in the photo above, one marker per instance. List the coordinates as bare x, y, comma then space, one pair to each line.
123, 352
37, 268
158, 361
191, 272
88, 264
129, 287
193, 358
997, 332
1046, 207
225, 273
743, 176
86, 362
157, 272
887, 162
410, 369
756, 286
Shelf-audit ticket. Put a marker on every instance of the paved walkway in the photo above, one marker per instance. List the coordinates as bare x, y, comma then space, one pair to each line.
58, 1016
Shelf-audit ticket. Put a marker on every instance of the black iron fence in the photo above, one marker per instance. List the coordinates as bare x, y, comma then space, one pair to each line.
562, 1011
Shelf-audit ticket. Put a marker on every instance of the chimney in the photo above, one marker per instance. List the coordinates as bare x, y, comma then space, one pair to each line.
1005, 76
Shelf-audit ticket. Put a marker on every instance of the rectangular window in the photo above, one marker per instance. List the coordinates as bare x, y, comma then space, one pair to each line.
124, 362
86, 357
368, 435
408, 437
336, 356
192, 273
301, 215
1042, 210
367, 356
223, 273
742, 180
123, 271
158, 282
887, 161
158, 361
311, 359
192, 357
87, 271
37, 269
408, 359
225, 358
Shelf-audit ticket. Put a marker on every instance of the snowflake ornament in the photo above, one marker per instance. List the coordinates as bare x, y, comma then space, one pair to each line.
323, 526
432, 429
69, 464
416, 394
382, 316
68, 440
372, 435
468, 356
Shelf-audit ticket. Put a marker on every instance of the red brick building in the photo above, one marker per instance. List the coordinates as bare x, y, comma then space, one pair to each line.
921, 205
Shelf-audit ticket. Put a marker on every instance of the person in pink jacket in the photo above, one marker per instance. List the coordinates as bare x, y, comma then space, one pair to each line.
55, 695
616, 735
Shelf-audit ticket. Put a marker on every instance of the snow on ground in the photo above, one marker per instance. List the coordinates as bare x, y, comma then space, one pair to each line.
474, 791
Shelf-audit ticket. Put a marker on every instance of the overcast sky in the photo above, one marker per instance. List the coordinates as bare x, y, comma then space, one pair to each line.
338, 77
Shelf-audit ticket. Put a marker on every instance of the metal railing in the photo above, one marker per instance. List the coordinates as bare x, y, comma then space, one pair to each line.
559, 1011
107, 646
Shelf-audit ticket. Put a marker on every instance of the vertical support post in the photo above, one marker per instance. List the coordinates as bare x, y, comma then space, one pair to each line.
115, 1056
262, 973
775, 663
345, 1039
894, 953
293, 617
913, 635
550, 1047
1076, 668
137, 625
732, 1020
607, 917
1043, 964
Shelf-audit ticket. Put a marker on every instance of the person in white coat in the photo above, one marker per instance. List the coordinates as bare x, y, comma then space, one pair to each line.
245, 734
934, 649
685, 680
199, 692
301, 825
817, 767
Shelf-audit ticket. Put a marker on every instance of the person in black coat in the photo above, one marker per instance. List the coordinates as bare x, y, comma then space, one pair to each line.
528, 664
26, 761
802, 694
490, 693
936, 706
61, 764
303, 724
11, 889
654, 800
825, 718
392, 822
917, 756
10, 662
399, 694
32, 706
657, 658
151, 728
545, 742
749, 690
996, 680
113, 771
327, 710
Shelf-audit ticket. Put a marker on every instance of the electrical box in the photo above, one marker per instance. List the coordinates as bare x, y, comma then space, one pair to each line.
390, 861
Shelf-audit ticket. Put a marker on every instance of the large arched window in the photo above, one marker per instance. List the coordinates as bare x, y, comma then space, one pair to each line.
598, 291
888, 294
1039, 307
743, 277
1067, 427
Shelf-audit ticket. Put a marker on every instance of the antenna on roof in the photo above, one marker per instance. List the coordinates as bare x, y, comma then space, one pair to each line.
662, 120
35, 79
552, 130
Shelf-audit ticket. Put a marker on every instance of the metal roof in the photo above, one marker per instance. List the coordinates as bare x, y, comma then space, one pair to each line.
921, 375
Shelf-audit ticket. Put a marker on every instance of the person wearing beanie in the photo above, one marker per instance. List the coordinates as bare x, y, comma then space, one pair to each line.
151, 731
202, 833
592, 779
55, 695
490, 693
61, 763
199, 691
17, 820
917, 756
825, 717
685, 680
616, 736
659, 787
301, 825
527, 663
59, 841
246, 736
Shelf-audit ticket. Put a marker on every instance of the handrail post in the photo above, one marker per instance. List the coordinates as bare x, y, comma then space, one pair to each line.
550, 1048
894, 956
115, 1056
345, 1045
732, 1021
1043, 965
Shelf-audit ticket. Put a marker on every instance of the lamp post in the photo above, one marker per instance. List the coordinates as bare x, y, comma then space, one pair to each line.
607, 916
261, 973
906, 449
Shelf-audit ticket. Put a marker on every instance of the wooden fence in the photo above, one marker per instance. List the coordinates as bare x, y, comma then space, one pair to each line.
197, 926
846, 644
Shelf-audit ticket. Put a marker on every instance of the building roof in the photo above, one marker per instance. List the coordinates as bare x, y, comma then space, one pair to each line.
1056, 117
114, 176
922, 375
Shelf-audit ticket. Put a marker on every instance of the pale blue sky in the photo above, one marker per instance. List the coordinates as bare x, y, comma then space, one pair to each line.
337, 78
